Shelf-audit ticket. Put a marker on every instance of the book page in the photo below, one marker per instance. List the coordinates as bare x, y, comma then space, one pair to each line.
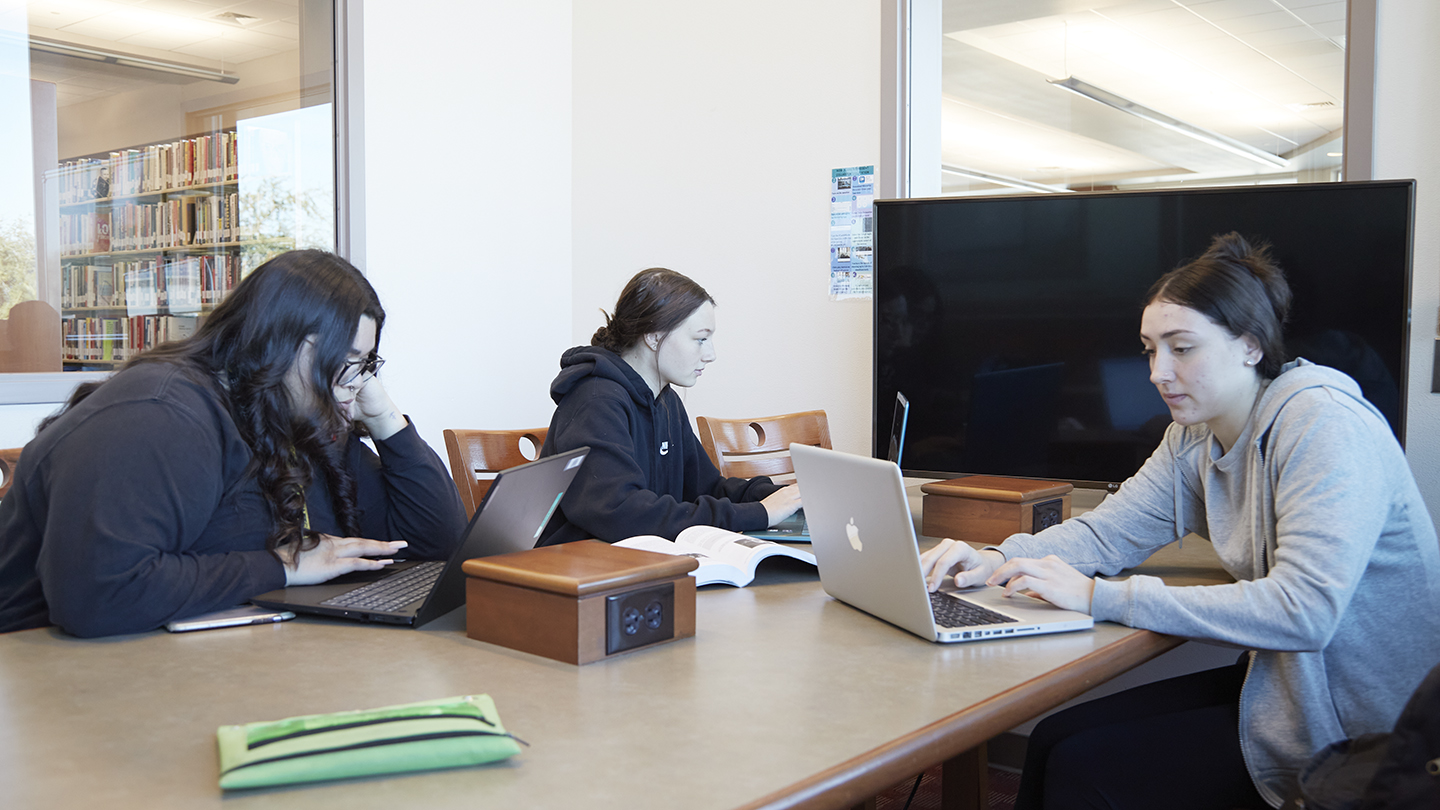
649, 542
741, 551
712, 567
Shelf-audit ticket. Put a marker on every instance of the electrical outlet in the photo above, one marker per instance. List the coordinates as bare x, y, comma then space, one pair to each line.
639, 617
1047, 514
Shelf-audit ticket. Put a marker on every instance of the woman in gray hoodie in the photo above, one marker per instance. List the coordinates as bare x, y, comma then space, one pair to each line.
1308, 499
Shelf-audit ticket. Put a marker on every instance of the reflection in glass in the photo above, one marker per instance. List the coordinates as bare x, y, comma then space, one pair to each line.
176, 148
17, 188
1048, 98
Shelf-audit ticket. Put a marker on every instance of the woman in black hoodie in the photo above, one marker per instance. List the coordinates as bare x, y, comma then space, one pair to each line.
647, 473
216, 468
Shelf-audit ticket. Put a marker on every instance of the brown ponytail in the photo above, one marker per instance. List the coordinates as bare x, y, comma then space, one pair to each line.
1239, 287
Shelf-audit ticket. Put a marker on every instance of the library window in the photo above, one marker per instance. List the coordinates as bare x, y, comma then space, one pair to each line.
1046, 97
153, 154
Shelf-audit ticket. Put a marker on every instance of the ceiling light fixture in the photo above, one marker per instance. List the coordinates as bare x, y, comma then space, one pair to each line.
236, 18
1125, 105
128, 60
1002, 180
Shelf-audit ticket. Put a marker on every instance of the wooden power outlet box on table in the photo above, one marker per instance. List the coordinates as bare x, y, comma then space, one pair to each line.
987, 509
580, 602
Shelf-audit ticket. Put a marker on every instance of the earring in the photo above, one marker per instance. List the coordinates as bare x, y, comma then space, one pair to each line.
1249, 362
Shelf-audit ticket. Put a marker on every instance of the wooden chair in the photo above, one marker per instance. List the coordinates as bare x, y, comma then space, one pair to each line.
30, 338
745, 448
9, 458
477, 455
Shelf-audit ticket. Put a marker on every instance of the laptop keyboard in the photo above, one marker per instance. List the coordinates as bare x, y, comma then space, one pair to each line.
951, 611
392, 593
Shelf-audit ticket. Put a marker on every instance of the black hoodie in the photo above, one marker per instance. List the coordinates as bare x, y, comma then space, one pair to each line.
646, 473
137, 506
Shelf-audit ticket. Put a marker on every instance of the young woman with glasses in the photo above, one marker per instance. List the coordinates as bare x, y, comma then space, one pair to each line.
213, 469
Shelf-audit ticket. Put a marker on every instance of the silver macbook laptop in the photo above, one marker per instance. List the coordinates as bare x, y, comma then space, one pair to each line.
795, 529
865, 546
519, 504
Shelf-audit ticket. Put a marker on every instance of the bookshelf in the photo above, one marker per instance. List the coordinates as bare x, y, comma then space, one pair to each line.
152, 237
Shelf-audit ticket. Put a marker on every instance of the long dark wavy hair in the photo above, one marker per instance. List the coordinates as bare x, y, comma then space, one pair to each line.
243, 351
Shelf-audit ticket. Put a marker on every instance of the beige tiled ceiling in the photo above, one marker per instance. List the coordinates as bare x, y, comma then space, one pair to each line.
1268, 73
200, 33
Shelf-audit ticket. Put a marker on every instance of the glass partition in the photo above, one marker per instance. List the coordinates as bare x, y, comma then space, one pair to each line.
1040, 96
153, 154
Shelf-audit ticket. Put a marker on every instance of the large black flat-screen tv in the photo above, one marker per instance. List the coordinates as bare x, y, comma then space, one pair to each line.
1012, 323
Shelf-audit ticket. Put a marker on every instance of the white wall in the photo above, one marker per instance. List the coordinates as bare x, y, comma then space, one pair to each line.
18, 422
704, 136
1405, 146
468, 200
632, 135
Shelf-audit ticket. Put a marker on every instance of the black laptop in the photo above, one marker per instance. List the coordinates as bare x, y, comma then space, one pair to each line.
515, 510
897, 428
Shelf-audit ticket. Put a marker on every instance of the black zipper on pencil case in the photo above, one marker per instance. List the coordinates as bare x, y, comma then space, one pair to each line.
371, 744
249, 746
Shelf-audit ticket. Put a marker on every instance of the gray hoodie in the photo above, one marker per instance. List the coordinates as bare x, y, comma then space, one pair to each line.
1315, 513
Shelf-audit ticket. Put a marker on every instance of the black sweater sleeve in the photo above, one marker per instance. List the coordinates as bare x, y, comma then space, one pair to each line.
131, 488
610, 499
406, 494
708, 481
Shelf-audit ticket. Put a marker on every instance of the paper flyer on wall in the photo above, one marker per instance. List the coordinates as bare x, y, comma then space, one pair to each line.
852, 191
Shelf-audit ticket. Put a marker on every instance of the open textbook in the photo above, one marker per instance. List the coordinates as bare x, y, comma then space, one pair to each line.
724, 556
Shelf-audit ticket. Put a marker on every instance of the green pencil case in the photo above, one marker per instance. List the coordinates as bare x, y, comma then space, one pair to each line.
445, 733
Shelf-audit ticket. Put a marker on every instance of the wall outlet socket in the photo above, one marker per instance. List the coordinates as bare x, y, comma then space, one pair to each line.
1047, 514
639, 617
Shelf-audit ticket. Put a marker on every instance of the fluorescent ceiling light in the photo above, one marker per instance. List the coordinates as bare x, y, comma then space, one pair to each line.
128, 60
1002, 180
1125, 105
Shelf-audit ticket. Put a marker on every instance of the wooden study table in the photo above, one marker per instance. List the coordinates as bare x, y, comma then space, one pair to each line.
785, 698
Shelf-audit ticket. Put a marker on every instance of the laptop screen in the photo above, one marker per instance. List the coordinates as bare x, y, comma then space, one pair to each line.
897, 428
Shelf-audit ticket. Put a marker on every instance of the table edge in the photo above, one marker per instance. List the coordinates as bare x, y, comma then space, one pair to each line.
862, 777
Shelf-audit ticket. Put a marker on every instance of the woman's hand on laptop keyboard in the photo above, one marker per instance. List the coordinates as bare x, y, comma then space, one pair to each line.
782, 503
1049, 578
335, 556
970, 567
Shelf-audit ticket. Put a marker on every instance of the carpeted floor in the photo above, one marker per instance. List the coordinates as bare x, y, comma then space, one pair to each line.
1003, 785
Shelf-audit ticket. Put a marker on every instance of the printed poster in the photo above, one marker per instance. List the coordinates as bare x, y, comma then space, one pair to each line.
852, 192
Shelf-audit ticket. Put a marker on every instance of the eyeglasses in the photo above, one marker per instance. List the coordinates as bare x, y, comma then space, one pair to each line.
356, 369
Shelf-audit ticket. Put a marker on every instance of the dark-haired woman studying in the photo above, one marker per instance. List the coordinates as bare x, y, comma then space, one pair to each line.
225, 465
1301, 487
647, 473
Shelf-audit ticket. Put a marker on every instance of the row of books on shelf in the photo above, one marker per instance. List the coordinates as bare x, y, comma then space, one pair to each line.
118, 339
181, 222
159, 167
186, 283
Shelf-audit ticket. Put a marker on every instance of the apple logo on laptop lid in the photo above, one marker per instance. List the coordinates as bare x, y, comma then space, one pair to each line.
853, 532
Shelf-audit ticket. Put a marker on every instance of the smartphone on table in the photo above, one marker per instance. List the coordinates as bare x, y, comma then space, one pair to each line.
230, 617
